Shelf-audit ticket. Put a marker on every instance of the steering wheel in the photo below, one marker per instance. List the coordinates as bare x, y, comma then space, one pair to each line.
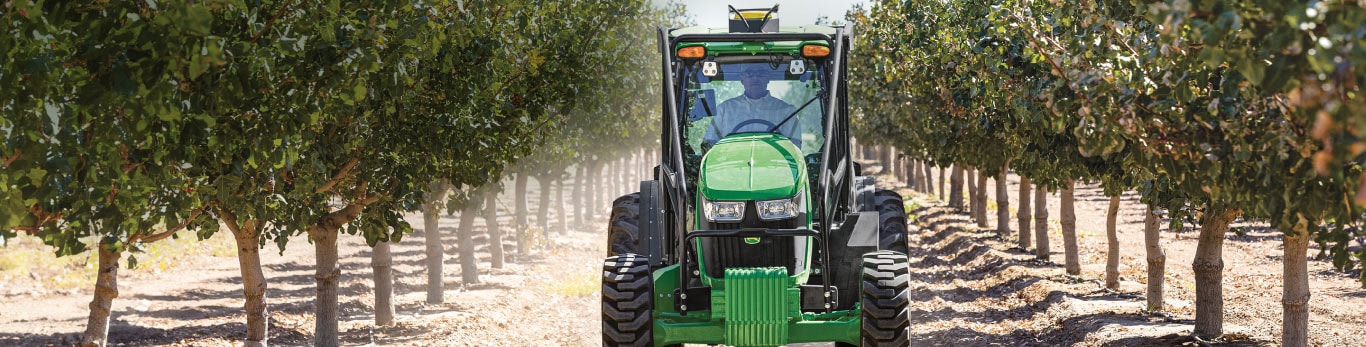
768, 124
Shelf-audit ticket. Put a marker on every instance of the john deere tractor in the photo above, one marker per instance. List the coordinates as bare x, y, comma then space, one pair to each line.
757, 229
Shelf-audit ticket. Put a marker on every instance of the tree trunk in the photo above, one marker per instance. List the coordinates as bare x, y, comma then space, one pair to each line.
436, 252
1067, 217
854, 150
106, 289
580, 198
609, 180
956, 188
469, 266
885, 157
981, 199
890, 166
327, 275
594, 187
1112, 239
495, 233
617, 178
1295, 290
871, 155
898, 165
559, 204
1209, 272
1024, 213
903, 170
1157, 259
383, 264
941, 183
1002, 204
600, 191
1041, 250
520, 225
613, 177
642, 167
917, 176
628, 175
918, 170
908, 169
971, 177
624, 165
248, 237
543, 213
928, 186
975, 194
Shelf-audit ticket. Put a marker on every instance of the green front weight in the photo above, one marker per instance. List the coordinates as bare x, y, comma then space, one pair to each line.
758, 307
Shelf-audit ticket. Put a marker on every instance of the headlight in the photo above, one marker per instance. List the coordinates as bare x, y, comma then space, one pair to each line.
724, 211
779, 209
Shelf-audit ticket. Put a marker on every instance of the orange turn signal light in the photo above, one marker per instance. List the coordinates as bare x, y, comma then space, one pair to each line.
693, 52
815, 51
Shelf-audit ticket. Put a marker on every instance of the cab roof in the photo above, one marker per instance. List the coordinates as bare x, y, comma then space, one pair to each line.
749, 47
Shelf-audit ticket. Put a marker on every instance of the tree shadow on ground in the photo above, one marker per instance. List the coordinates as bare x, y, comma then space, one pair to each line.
1175, 340
121, 333
1076, 329
1004, 289
959, 336
354, 287
989, 316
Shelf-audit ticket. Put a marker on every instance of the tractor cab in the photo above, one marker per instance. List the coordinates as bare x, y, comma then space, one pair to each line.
757, 229
753, 93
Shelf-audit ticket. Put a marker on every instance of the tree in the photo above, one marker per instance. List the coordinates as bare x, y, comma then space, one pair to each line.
89, 127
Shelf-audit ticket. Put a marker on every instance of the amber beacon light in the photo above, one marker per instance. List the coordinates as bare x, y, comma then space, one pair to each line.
695, 52
814, 51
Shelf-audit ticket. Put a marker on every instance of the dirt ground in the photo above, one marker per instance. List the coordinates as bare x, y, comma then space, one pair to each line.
976, 288
970, 288
547, 297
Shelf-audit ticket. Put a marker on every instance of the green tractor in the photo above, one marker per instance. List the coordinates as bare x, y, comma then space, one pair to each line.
757, 229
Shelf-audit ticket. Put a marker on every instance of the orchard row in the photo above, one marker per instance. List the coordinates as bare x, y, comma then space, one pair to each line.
1212, 110
126, 122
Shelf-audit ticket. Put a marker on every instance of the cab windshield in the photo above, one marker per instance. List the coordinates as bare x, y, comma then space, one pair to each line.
733, 95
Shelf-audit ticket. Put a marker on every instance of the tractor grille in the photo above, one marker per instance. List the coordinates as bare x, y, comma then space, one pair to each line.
719, 253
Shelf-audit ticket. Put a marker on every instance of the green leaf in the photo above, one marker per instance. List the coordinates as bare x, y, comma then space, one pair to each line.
36, 175
360, 92
198, 20
197, 66
1252, 70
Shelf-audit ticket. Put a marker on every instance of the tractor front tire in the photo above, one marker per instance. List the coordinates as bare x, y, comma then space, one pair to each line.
885, 299
891, 213
623, 229
627, 298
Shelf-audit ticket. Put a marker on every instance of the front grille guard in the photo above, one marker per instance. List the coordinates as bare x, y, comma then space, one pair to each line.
701, 296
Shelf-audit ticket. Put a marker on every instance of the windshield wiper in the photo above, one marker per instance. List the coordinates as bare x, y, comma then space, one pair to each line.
775, 128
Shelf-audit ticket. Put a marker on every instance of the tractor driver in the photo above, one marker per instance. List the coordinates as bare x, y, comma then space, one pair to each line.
754, 111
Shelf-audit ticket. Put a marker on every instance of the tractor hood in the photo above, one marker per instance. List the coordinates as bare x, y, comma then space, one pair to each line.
752, 166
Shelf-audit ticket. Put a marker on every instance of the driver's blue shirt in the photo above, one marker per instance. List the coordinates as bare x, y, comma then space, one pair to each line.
742, 114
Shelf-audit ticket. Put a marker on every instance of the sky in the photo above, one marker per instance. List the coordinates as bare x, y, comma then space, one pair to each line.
791, 12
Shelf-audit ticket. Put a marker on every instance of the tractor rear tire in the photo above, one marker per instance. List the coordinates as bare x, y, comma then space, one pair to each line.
891, 213
885, 299
623, 231
627, 298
